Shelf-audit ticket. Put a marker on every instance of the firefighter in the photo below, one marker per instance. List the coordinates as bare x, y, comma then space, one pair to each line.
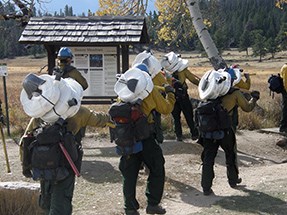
228, 142
150, 153
180, 72
66, 70
56, 195
283, 121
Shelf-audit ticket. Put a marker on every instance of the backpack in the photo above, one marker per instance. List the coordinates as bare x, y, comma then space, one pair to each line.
43, 155
276, 83
180, 88
131, 125
211, 116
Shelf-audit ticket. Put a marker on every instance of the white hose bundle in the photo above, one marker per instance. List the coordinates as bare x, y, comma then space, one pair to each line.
150, 61
134, 84
53, 99
214, 83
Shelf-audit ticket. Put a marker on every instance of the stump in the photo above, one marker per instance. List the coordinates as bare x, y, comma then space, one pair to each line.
19, 198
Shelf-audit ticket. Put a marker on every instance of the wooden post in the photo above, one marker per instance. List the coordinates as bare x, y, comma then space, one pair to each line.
4, 73
125, 58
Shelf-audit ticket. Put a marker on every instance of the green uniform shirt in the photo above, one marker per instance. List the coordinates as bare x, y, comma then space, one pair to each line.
244, 84
159, 79
284, 75
186, 74
229, 101
77, 76
155, 101
84, 117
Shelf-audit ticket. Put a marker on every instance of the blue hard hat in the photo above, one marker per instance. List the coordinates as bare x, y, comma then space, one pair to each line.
232, 73
142, 67
64, 53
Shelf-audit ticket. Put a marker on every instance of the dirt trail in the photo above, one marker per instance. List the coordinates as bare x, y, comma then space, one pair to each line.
99, 190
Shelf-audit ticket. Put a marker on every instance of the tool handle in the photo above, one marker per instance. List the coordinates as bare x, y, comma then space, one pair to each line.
5, 149
69, 159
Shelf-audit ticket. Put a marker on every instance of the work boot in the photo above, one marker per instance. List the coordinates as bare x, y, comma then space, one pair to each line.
179, 138
233, 185
194, 134
132, 212
283, 130
282, 143
208, 192
156, 209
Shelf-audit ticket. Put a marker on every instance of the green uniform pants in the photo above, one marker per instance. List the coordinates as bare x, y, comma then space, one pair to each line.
130, 165
183, 105
228, 144
56, 197
283, 121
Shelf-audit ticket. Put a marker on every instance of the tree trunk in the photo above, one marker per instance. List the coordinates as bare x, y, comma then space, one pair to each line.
212, 52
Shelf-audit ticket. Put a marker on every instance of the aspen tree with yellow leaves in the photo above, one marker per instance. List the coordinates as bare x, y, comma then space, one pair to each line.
122, 7
175, 23
280, 3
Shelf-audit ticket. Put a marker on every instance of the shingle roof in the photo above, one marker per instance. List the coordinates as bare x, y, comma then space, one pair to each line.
93, 30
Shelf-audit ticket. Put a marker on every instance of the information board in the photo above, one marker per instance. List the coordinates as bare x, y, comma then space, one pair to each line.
99, 66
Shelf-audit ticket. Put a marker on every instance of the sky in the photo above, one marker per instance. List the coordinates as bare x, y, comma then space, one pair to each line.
79, 6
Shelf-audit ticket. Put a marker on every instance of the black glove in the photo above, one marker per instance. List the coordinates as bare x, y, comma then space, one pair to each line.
168, 88
176, 84
26, 172
58, 72
255, 94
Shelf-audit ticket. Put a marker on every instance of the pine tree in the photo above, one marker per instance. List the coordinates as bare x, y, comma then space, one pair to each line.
245, 41
259, 44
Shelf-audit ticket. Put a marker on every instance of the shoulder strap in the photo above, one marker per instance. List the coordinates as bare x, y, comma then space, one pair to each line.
68, 68
175, 75
232, 89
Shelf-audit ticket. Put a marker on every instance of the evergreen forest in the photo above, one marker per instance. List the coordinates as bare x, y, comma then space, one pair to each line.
242, 24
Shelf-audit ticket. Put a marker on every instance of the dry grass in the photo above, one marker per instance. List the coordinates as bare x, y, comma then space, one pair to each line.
18, 68
19, 203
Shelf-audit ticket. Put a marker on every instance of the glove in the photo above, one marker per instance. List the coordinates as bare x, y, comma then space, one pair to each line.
168, 89
255, 94
176, 84
58, 72
110, 124
167, 74
27, 173
246, 75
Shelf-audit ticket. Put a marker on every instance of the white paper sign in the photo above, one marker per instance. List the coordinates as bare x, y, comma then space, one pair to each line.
3, 70
99, 66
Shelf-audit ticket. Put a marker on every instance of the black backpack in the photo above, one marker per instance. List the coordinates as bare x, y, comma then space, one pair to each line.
276, 83
43, 155
180, 88
211, 116
130, 122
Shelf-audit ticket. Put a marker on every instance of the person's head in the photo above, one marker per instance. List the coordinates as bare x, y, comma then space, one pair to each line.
65, 56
